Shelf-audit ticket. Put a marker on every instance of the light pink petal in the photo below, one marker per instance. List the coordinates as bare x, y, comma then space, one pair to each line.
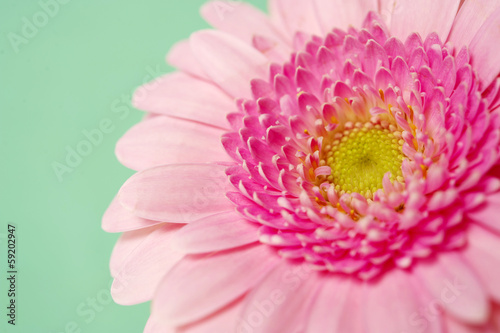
224, 320
338, 306
143, 269
488, 213
391, 302
483, 255
484, 49
200, 285
241, 20
452, 282
293, 17
215, 233
228, 61
182, 57
119, 219
157, 326
183, 96
470, 18
423, 17
280, 302
126, 244
178, 193
324, 317
166, 140
455, 326
342, 14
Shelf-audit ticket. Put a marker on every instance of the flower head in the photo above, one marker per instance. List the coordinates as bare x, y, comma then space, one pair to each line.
337, 162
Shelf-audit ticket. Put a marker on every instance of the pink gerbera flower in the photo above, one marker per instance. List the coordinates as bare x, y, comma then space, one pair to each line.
331, 168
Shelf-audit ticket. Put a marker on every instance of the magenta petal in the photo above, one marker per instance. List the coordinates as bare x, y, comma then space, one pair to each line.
228, 61
215, 233
177, 193
165, 140
143, 269
200, 285
119, 219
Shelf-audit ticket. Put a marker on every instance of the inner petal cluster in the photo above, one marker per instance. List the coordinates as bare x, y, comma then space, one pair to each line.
362, 153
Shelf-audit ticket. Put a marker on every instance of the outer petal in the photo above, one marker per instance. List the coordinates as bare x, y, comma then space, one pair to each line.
484, 49
458, 290
423, 16
165, 140
281, 301
126, 244
118, 219
228, 61
454, 326
143, 269
298, 15
224, 320
177, 193
201, 285
241, 20
483, 255
488, 213
183, 96
471, 16
391, 303
181, 56
342, 14
215, 233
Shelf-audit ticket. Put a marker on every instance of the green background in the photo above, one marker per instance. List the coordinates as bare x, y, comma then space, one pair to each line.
75, 69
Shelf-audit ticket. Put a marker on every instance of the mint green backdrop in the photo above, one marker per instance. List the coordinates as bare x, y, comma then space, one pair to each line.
64, 70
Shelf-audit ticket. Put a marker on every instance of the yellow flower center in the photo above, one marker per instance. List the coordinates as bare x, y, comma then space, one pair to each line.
361, 156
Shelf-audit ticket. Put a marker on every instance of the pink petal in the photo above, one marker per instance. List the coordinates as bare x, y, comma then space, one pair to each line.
228, 61
423, 17
483, 255
200, 285
241, 20
154, 325
450, 281
118, 219
484, 50
337, 306
183, 96
469, 20
224, 320
143, 269
165, 140
126, 244
177, 193
215, 233
181, 56
280, 302
300, 16
392, 303
342, 14
488, 213
455, 326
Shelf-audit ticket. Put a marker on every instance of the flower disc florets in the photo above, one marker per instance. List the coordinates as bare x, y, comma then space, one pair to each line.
363, 151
